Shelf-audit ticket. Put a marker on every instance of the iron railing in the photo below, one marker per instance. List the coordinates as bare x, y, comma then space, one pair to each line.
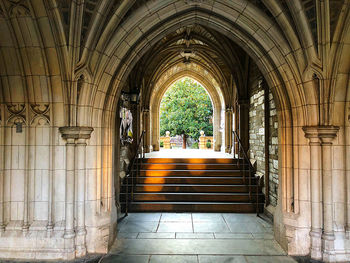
239, 153
133, 172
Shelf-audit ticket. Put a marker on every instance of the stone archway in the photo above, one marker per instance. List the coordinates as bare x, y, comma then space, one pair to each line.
45, 48
164, 83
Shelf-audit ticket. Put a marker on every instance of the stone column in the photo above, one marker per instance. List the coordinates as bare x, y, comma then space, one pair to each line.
75, 181
167, 140
80, 179
202, 140
327, 134
316, 195
69, 233
228, 129
147, 127
2, 165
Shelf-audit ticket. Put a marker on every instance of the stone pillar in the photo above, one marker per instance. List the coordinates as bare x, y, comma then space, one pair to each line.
316, 195
147, 127
202, 141
327, 134
2, 167
347, 174
217, 133
75, 137
228, 129
80, 178
167, 140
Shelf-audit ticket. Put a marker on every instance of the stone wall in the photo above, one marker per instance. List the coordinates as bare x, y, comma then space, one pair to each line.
273, 152
257, 128
257, 136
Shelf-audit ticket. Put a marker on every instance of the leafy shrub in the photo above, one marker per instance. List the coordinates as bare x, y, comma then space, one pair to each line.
161, 144
208, 144
195, 145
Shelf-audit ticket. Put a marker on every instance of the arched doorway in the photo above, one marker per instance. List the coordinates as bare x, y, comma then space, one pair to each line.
215, 96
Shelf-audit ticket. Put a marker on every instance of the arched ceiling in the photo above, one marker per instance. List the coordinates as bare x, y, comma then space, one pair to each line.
191, 45
46, 45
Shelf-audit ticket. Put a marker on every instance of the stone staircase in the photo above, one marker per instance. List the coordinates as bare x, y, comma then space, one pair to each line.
192, 185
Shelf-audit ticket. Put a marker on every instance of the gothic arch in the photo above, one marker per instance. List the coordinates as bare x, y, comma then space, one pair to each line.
161, 88
261, 39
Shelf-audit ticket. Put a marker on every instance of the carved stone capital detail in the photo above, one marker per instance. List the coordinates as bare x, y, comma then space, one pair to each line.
75, 133
40, 112
17, 113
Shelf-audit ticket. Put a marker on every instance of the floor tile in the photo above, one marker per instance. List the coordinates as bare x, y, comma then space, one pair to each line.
246, 227
207, 217
176, 217
222, 259
175, 227
195, 235
233, 235
210, 227
140, 217
126, 259
263, 236
271, 259
240, 217
195, 238
156, 235
197, 246
173, 259
136, 227
126, 235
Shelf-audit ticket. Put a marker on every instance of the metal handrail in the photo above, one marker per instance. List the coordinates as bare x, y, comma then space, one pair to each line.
134, 162
251, 170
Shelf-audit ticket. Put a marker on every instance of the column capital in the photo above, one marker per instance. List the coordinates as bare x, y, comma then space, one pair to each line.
311, 132
327, 133
75, 132
229, 109
145, 109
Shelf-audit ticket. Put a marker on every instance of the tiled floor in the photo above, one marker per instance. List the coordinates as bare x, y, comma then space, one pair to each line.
195, 237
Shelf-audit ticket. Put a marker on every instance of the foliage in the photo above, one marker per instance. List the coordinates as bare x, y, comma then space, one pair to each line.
161, 144
208, 144
195, 145
186, 106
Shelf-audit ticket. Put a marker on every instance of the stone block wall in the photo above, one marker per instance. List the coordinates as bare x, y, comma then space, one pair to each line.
273, 151
257, 136
257, 128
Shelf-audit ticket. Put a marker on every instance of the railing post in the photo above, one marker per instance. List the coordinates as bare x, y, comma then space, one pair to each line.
134, 173
251, 171
127, 195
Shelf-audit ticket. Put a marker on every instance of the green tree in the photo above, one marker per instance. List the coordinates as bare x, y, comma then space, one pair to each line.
186, 106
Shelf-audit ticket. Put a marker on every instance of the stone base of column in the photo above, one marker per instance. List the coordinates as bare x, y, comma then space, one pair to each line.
80, 248
69, 234
217, 147
316, 244
328, 247
69, 246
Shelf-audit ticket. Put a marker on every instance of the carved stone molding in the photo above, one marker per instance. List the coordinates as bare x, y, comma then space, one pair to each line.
69, 132
17, 113
322, 133
18, 8
198, 2
40, 112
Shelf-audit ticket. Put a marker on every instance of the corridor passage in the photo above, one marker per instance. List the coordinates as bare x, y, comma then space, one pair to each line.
195, 238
